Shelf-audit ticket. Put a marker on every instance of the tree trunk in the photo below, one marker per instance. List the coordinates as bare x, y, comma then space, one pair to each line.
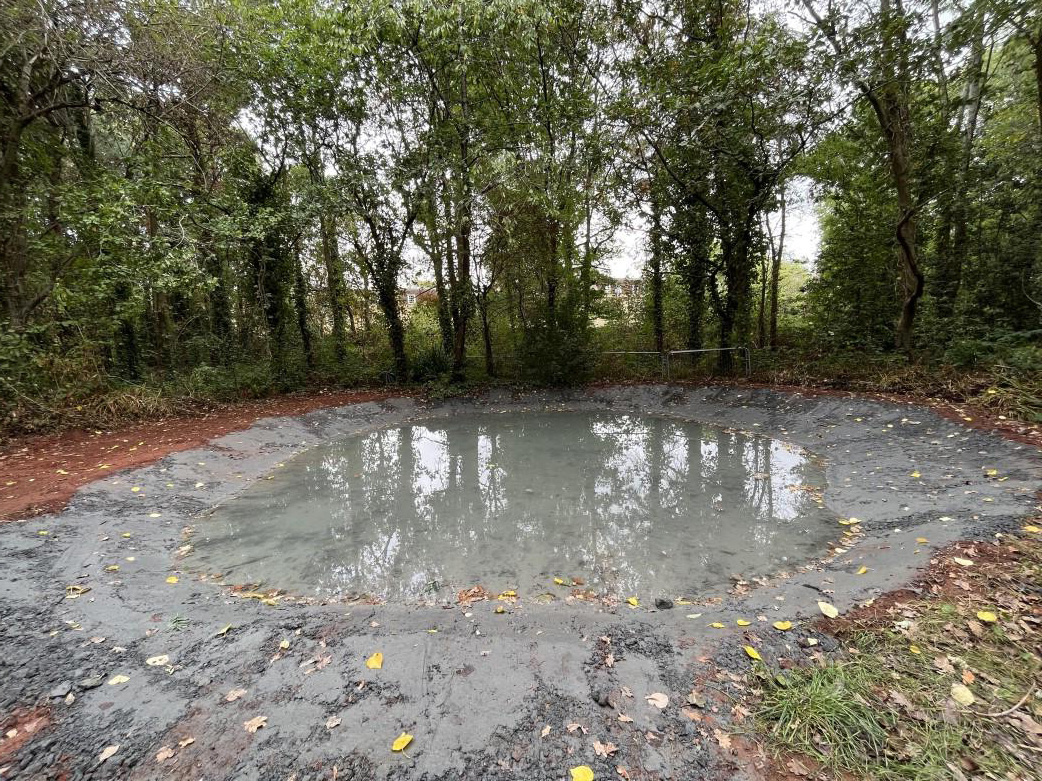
300, 301
486, 335
335, 286
655, 263
776, 261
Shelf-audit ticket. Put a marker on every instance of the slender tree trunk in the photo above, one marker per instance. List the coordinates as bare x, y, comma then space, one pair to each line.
335, 286
486, 335
300, 302
657, 313
776, 261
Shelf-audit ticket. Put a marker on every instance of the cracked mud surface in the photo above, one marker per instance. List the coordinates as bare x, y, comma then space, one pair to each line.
478, 693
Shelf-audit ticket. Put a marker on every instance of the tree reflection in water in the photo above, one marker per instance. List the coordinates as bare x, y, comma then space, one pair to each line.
630, 504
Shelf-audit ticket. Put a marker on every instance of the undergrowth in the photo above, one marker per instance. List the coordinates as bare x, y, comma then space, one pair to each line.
894, 705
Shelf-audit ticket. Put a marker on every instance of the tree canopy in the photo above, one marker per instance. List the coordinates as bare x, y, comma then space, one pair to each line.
228, 197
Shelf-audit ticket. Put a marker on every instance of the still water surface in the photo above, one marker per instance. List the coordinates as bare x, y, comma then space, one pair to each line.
631, 505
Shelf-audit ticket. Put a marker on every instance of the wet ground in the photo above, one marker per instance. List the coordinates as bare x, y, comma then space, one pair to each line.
108, 641
628, 505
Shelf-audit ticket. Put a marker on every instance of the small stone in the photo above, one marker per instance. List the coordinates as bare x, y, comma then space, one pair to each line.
61, 690
91, 683
663, 604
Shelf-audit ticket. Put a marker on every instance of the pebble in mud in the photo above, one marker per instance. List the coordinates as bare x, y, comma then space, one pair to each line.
663, 603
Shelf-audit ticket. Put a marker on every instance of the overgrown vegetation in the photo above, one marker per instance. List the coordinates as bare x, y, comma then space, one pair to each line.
941, 687
202, 201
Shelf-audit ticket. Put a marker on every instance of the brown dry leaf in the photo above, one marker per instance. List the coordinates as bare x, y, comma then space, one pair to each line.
255, 723
723, 739
108, 752
968, 677
332, 721
234, 694
626, 691
604, 749
625, 719
545, 731
657, 700
623, 772
944, 664
574, 726
186, 742
797, 768
164, 754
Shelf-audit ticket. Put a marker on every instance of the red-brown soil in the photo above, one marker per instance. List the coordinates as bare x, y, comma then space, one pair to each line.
40, 473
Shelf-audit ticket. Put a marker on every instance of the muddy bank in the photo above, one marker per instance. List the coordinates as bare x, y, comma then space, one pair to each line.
476, 691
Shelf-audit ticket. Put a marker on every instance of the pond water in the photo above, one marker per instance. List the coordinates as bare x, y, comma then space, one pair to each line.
630, 505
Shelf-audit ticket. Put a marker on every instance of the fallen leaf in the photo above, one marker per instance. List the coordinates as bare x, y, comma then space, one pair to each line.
604, 749
915, 649
962, 695
544, 731
625, 719
223, 631
782, 626
255, 723
658, 700
581, 773
828, 609
284, 644
401, 742
116, 680
186, 742
559, 581
234, 694
164, 754
962, 562
172, 579
743, 622
717, 625
862, 570
753, 653
987, 616
921, 540
332, 721
375, 662
108, 752
633, 602
1032, 529
158, 661
797, 768
723, 739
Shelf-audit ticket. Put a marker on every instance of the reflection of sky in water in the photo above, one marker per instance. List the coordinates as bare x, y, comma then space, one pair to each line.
631, 504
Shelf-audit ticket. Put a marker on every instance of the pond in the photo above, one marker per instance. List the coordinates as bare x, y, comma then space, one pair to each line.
615, 504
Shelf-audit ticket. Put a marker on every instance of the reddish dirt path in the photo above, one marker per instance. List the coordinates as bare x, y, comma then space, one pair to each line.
39, 474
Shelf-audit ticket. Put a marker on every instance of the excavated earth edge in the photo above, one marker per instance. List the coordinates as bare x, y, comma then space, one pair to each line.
478, 692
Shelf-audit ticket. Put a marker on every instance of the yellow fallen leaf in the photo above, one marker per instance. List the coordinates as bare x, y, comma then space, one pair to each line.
559, 581
657, 700
916, 474
499, 609
136, 488
401, 742
743, 622
828, 609
112, 568
783, 626
43, 532
284, 644
987, 616
254, 724
962, 695
115, 680
633, 601
848, 521
508, 594
1031, 529
158, 661
172, 579
375, 662
581, 773
921, 539
154, 515
962, 562
991, 472
752, 653
717, 625
108, 752
693, 615
914, 649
